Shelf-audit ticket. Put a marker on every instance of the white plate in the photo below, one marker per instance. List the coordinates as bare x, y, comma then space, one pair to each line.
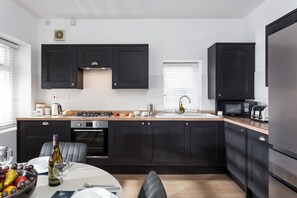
95, 192
40, 164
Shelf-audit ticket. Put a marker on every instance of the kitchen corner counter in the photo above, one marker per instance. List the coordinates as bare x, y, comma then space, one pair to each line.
258, 126
244, 122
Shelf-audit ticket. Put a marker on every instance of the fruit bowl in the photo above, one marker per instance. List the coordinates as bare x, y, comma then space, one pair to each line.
23, 184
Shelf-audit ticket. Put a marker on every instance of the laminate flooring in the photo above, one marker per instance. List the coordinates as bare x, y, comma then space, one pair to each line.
184, 186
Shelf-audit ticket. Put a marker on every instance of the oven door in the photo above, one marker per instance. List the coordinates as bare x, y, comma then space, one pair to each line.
95, 139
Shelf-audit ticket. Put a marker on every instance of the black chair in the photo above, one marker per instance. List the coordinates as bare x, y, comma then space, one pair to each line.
71, 151
152, 187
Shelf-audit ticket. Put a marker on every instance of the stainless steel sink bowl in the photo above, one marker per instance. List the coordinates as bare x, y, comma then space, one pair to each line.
186, 115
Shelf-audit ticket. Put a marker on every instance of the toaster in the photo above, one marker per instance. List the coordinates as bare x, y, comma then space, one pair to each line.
260, 112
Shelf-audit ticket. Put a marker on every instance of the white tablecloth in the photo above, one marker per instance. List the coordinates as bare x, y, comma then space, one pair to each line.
77, 176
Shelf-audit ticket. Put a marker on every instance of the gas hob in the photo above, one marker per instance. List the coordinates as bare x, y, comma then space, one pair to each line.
94, 114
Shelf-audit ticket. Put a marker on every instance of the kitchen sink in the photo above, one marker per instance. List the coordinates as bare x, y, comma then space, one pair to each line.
186, 115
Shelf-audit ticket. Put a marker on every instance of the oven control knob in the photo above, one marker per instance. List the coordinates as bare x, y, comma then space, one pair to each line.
79, 124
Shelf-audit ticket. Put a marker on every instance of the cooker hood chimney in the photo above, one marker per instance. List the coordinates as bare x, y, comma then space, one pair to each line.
95, 65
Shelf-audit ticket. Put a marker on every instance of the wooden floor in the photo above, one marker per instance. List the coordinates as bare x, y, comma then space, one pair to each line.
183, 186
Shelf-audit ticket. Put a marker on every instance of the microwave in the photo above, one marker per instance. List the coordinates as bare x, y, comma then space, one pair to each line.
238, 108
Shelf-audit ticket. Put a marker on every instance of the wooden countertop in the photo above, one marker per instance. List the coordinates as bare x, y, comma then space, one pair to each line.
244, 122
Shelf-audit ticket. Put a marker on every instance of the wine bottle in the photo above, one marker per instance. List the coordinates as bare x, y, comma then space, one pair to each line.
55, 156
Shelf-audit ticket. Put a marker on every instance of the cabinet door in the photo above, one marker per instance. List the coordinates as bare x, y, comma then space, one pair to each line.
205, 144
236, 152
166, 143
93, 55
127, 143
130, 69
235, 71
32, 134
257, 151
59, 67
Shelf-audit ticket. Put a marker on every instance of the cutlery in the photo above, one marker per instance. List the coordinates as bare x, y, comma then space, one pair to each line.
88, 185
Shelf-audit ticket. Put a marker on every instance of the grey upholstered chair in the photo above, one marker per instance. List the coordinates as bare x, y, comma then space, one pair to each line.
71, 151
152, 187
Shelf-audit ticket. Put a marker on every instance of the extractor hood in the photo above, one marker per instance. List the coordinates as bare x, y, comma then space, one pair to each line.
95, 65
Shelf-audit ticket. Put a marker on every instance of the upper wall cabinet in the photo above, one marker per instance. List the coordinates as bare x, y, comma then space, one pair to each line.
231, 68
59, 67
130, 67
95, 55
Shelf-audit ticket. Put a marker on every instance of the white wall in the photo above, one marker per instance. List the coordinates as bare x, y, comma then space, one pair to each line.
255, 24
168, 39
19, 26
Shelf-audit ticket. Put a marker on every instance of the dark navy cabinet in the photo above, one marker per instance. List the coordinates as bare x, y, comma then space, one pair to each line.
231, 68
130, 67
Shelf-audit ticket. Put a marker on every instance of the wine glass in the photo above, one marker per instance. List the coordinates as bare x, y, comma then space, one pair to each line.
60, 170
6, 155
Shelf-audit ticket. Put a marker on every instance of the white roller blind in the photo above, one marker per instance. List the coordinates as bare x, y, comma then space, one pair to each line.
7, 75
181, 79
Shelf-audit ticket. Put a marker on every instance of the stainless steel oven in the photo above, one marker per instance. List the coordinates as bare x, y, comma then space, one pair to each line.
92, 133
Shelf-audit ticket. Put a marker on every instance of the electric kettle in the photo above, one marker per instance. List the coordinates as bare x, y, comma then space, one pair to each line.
56, 109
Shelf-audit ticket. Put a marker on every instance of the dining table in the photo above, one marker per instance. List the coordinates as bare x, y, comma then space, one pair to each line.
77, 176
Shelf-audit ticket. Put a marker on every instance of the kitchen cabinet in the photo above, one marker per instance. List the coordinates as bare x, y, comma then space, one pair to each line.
59, 67
257, 164
94, 55
32, 134
204, 144
127, 143
130, 67
236, 161
166, 143
231, 68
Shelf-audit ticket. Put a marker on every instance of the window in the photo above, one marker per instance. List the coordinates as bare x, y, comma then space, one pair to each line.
7, 71
181, 79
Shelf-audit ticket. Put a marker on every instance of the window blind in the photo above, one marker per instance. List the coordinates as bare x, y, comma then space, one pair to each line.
181, 79
7, 79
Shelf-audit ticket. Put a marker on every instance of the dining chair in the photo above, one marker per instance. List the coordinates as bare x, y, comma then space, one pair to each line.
152, 187
72, 151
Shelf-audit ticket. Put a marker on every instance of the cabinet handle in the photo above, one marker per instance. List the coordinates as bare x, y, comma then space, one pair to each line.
187, 123
261, 138
45, 123
149, 123
142, 123
72, 84
219, 94
94, 63
242, 130
114, 83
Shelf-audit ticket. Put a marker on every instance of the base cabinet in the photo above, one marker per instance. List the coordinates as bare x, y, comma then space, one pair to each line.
166, 143
204, 144
127, 143
236, 152
32, 134
247, 159
257, 166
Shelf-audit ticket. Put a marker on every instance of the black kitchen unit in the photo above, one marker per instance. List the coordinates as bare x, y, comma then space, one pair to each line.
62, 65
60, 68
231, 68
282, 81
130, 67
95, 56
166, 146
247, 159
32, 134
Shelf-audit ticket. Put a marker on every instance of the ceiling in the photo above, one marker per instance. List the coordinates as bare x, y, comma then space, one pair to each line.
138, 9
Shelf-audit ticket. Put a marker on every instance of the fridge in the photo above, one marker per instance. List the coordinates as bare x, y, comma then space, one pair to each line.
281, 38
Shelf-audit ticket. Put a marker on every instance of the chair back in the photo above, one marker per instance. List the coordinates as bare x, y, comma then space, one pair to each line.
71, 151
152, 187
